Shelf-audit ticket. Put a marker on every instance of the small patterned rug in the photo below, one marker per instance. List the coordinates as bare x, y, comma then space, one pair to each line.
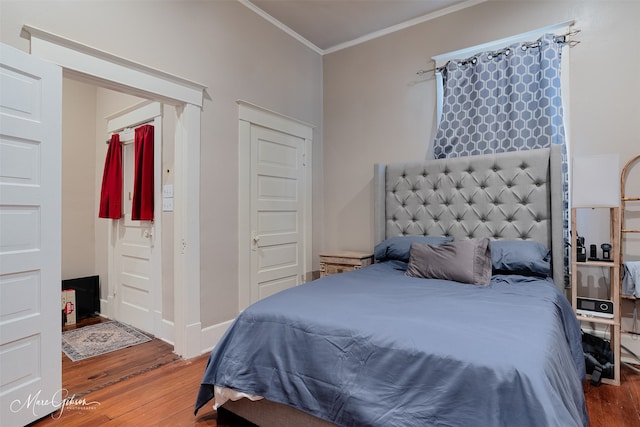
94, 340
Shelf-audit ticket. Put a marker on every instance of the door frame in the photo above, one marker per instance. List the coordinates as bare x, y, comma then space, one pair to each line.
250, 114
91, 65
144, 112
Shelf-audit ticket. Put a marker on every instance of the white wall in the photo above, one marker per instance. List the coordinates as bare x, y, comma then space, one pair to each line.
78, 176
237, 55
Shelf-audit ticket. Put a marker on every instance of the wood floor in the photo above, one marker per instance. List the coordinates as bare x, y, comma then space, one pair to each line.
86, 376
147, 385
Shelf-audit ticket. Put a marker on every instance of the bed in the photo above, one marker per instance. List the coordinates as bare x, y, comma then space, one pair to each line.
461, 321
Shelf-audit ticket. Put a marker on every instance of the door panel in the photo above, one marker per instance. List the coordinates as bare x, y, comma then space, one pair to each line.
274, 223
278, 259
30, 236
268, 288
277, 201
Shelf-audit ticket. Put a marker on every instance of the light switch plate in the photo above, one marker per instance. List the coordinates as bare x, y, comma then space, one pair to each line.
167, 190
167, 204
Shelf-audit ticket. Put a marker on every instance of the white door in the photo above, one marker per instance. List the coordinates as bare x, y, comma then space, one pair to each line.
30, 236
277, 211
136, 255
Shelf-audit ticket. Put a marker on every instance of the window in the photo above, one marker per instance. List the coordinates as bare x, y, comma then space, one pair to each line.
563, 28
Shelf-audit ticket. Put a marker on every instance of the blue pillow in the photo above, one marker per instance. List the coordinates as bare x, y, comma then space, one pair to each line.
524, 257
399, 247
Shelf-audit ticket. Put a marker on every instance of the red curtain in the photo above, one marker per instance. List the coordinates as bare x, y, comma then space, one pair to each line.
111, 193
142, 208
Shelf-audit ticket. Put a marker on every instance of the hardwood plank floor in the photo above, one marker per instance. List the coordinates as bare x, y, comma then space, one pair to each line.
92, 374
152, 395
611, 406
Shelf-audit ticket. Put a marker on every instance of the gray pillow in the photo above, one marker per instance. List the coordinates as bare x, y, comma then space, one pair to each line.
399, 247
465, 261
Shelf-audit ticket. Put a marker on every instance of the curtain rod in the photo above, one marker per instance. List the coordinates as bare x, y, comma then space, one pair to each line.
562, 38
129, 129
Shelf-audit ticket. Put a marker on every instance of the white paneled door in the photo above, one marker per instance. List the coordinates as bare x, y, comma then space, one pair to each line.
277, 211
30, 230
136, 245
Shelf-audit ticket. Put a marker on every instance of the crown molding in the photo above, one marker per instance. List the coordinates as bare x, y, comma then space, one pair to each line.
365, 38
282, 26
403, 25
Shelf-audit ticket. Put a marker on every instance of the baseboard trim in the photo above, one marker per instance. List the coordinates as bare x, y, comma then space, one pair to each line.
105, 307
211, 335
166, 331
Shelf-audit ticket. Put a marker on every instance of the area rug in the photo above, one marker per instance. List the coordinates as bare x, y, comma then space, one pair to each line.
94, 340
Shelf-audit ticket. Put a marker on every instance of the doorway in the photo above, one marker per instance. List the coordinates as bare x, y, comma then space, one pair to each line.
103, 69
88, 119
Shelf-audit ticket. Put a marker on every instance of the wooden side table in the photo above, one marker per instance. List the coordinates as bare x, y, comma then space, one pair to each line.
343, 261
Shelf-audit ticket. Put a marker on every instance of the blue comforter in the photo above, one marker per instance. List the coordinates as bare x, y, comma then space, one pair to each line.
374, 347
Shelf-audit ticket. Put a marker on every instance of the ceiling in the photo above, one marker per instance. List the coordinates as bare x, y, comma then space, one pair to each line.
329, 25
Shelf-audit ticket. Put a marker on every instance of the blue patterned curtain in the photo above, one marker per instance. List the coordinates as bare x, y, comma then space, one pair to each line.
506, 100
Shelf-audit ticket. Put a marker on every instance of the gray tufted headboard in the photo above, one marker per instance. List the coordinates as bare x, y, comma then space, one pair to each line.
513, 195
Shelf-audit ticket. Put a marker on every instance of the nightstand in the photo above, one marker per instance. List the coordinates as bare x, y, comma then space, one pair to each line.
343, 261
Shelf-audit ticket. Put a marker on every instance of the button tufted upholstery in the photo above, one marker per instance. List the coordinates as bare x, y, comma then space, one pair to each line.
500, 196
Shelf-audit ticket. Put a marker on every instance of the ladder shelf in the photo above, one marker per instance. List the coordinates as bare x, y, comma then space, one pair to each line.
625, 231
